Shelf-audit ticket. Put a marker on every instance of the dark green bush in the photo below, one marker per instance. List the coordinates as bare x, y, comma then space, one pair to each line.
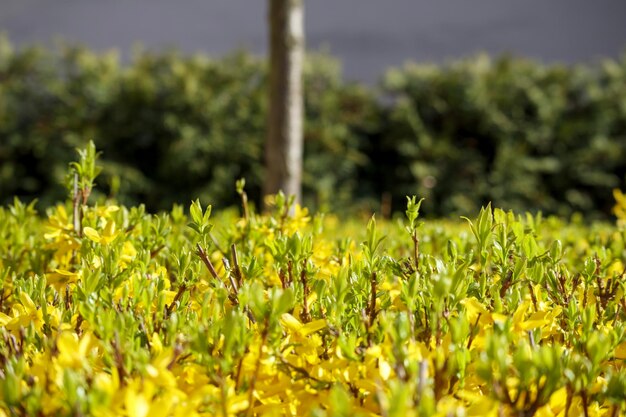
172, 128
48, 105
511, 131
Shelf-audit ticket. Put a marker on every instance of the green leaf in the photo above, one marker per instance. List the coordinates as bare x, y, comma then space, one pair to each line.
285, 301
195, 210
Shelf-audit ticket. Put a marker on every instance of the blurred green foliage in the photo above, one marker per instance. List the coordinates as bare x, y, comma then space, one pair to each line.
511, 131
173, 128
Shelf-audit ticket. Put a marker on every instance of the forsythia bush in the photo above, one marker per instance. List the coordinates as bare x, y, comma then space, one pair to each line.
110, 311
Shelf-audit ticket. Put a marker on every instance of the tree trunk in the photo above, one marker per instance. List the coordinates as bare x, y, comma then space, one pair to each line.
284, 142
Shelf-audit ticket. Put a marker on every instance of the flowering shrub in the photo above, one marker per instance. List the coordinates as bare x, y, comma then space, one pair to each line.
109, 311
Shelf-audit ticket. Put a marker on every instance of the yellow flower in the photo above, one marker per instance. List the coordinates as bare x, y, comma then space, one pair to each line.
158, 370
298, 221
60, 234
136, 403
106, 211
22, 315
107, 236
323, 259
128, 254
483, 407
73, 352
107, 382
305, 342
296, 327
59, 278
544, 319
376, 367
40, 367
620, 351
620, 206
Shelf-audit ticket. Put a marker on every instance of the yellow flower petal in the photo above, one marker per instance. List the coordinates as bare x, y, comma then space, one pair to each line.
238, 404
109, 234
536, 320
4, 319
312, 327
620, 351
384, 369
136, 404
92, 234
290, 322
27, 302
499, 318
473, 308
83, 345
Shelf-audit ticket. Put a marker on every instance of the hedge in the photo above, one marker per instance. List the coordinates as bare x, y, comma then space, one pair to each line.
521, 134
172, 127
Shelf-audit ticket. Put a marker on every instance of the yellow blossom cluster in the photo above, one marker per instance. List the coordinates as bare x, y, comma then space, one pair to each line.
127, 313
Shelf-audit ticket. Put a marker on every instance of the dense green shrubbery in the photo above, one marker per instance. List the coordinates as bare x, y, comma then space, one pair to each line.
510, 131
520, 134
173, 127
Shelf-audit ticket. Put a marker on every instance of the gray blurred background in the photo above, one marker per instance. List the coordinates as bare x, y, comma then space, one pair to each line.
368, 36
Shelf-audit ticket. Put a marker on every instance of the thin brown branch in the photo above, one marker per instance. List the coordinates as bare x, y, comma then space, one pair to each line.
302, 371
473, 332
77, 209
231, 278
207, 262
416, 250
506, 283
179, 294
154, 252
372, 306
583, 396
119, 359
289, 273
237, 270
306, 314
